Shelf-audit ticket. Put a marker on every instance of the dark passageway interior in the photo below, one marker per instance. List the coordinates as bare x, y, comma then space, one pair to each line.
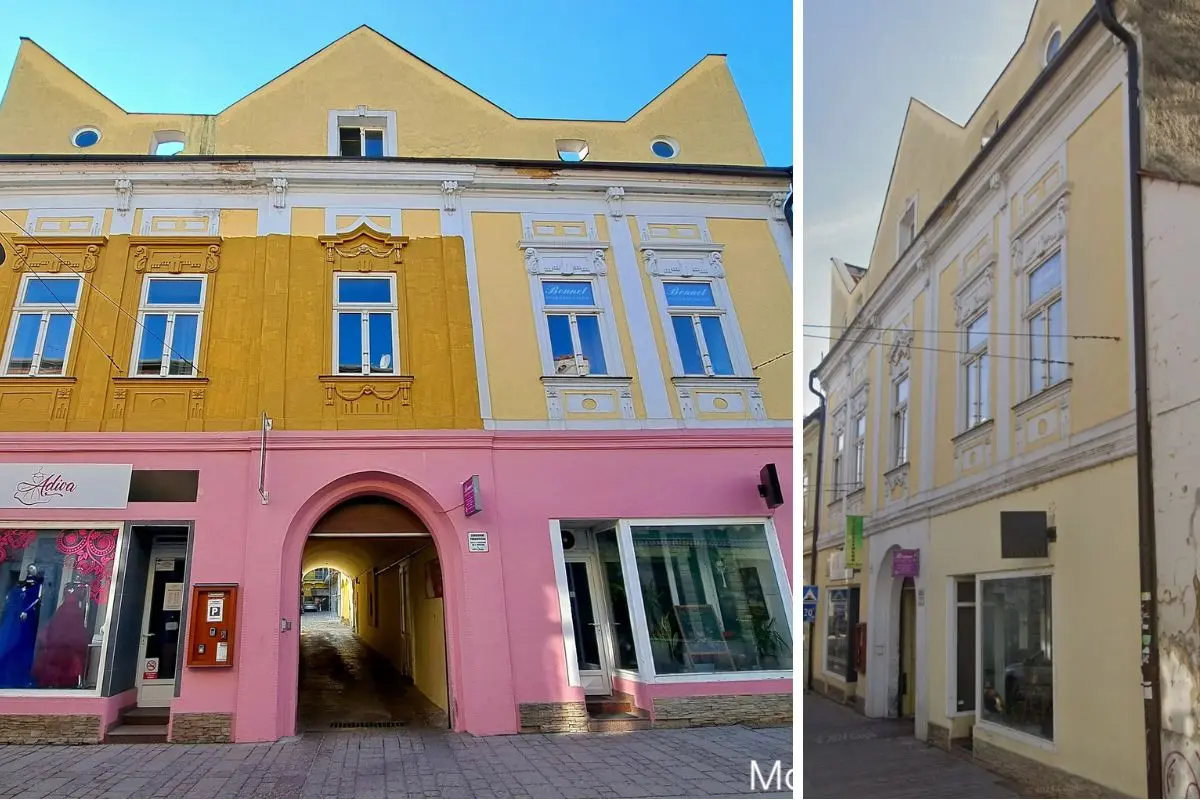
372, 625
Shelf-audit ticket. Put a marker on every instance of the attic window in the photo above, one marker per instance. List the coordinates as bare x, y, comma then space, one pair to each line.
1053, 45
85, 137
362, 133
664, 147
573, 150
366, 142
989, 130
908, 227
167, 143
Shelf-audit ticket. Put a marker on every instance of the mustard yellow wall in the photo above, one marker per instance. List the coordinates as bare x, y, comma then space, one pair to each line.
762, 297
1096, 293
436, 117
266, 343
1097, 694
429, 634
510, 336
917, 401
417, 222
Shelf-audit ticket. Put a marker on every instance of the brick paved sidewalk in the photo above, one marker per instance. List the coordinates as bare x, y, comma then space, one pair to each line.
699, 762
849, 755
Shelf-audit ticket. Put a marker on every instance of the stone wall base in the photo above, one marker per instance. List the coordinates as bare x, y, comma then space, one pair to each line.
729, 709
569, 717
50, 729
1034, 777
938, 736
201, 728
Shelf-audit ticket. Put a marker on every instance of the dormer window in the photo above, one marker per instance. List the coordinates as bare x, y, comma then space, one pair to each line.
572, 150
989, 130
1053, 45
361, 142
908, 227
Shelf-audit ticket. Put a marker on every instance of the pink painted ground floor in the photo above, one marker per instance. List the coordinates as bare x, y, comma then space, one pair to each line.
641, 564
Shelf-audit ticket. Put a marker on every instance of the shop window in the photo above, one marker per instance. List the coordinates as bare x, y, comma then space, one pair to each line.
975, 372
54, 592
1047, 325
1016, 669
699, 328
964, 645
168, 334
42, 326
837, 631
614, 577
573, 321
712, 599
365, 332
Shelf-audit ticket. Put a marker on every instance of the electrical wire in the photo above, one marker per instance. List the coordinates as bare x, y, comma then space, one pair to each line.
957, 352
1077, 336
770, 361
138, 323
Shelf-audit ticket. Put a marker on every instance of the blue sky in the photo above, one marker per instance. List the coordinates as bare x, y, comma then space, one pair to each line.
532, 57
863, 59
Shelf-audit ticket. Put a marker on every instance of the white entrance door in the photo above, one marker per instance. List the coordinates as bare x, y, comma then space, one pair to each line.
589, 619
162, 627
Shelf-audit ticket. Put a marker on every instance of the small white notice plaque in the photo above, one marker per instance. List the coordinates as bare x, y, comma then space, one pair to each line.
173, 597
477, 542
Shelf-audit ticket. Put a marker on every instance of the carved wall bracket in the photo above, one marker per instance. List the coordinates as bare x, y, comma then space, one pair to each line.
615, 197
450, 193
278, 192
124, 189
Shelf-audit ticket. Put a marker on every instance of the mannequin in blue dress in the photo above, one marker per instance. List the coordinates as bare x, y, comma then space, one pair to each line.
18, 631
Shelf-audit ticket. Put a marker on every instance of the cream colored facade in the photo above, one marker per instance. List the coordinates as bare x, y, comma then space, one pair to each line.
987, 367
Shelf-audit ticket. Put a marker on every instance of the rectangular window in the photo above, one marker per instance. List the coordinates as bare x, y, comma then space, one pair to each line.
365, 325
1047, 329
839, 448
975, 372
42, 325
54, 591
860, 449
574, 324
712, 599
907, 228
837, 631
964, 639
167, 340
698, 326
361, 142
900, 421
1016, 669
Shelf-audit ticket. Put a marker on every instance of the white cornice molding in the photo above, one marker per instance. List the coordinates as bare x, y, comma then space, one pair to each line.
1105, 443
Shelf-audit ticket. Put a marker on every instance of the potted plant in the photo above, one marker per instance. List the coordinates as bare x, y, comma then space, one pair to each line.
769, 642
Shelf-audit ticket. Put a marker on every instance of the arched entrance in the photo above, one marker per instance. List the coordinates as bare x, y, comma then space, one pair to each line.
383, 657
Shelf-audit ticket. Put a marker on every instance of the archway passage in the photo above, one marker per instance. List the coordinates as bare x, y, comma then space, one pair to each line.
372, 629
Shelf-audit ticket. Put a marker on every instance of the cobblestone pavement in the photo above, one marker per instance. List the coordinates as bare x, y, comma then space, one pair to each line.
697, 762
344, 681
848, 755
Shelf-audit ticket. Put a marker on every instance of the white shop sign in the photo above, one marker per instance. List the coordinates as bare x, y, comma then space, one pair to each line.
64, 485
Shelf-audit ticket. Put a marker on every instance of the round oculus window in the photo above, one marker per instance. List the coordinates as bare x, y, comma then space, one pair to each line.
85, 137
664, 148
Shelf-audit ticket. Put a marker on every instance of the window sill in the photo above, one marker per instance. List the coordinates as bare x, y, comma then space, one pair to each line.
857, 493
715, 379
1017, 736
980, 429
724, 677
375, 377
579, 378
1055, 391
168, 380
896, 470
54, 380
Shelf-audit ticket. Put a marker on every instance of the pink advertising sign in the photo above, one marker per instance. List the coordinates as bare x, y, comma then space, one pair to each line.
471, 498
906, 563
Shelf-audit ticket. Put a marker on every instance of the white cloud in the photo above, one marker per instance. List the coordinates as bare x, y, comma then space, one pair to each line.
855, 225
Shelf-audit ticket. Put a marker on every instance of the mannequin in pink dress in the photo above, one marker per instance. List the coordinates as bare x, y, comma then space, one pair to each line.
62, 652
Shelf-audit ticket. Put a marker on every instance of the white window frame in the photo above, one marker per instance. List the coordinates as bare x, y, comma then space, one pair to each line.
1036, 741
952, 606
722, 310
978, 355
613, 361
1042, 305
362, 118
116, 580
860, 450
900, 420
365, 310
1047, 56
903, 225
46, 310
171, 311
839, 453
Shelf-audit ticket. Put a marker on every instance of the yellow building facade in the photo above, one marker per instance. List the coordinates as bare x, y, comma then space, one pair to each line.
985, 368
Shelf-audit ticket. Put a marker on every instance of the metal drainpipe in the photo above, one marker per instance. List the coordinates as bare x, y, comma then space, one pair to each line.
1147, 547
812, 567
